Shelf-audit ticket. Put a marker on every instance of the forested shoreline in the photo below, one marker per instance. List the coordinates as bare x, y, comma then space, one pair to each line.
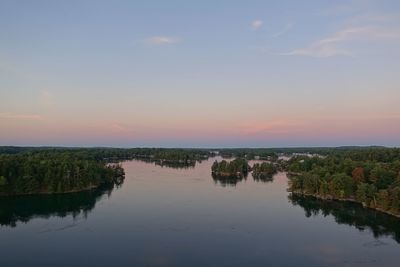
369, 177
366, 175
55, 170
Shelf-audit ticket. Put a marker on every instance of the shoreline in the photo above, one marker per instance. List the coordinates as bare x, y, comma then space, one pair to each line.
330, 198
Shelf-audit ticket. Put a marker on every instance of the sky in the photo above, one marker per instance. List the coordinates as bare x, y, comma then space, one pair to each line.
200, 73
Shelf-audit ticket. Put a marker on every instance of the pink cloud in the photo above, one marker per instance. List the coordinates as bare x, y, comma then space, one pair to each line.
31, 117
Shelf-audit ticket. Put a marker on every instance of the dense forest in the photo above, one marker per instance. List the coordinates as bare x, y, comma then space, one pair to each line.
54, 172
368, 176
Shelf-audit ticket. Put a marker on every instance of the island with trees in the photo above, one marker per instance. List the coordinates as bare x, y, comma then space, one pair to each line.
236, 168
263, 171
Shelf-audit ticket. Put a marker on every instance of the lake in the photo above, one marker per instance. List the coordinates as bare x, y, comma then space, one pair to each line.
163, 216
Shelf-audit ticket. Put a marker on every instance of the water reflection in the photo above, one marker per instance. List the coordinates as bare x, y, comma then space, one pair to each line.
25, 208
263, 178
228, 180
176, 164
353, 214
168, 217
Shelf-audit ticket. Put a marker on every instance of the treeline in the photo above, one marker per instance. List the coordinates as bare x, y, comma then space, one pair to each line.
50, 171
33, 170
182, 154
166, 154
237, 167
273, 153
249, 153
370, 177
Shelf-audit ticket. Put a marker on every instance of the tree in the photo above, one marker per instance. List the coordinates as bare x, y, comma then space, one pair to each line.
383, 200
341, 185
358, 175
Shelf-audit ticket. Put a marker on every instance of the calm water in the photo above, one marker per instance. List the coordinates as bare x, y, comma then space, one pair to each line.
162, 216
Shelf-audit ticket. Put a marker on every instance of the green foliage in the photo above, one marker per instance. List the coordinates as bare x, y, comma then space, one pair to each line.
250, 153
369, 176
50, 171
263, 170
236, 167
29, 170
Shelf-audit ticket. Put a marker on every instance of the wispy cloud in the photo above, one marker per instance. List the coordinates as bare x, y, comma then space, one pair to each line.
286, 29
335, 44
120, 128
162, 40
13, 116
256, 24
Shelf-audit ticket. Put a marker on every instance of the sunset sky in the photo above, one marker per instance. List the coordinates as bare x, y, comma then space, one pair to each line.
200, 74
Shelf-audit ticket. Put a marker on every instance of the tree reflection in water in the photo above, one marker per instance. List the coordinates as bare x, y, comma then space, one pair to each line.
14, 209
176, 165
353, 214
225, 181
263, 178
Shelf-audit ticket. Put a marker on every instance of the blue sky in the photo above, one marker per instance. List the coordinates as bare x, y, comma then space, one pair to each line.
205, 73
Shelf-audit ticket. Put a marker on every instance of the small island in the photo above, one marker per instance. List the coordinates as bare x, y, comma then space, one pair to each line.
236, 168
263, 171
